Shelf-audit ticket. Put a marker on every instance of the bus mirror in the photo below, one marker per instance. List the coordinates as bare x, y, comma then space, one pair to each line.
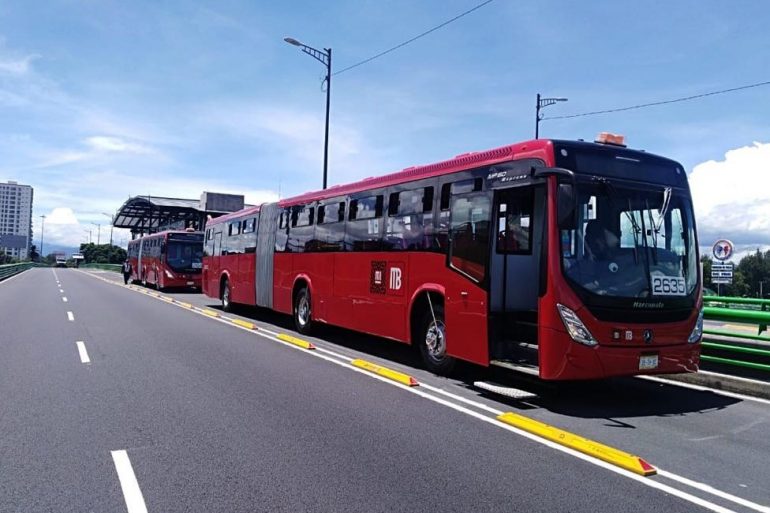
565, 206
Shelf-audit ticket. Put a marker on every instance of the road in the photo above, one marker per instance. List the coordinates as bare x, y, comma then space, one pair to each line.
163, 409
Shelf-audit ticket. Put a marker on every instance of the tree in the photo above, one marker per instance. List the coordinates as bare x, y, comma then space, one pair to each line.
34, 256
102, 253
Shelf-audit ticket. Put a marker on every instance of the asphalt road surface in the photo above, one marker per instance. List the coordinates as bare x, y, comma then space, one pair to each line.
114, 400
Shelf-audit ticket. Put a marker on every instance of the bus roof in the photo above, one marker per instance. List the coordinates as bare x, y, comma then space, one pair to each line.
537, 148
163, 233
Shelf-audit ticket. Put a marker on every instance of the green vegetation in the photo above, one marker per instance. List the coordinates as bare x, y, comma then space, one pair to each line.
102, 254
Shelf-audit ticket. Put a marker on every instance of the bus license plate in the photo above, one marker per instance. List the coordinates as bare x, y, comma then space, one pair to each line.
191, 283
647, 362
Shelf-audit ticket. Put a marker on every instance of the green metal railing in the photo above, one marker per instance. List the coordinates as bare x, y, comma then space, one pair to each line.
9, 270
731, 347
106, 267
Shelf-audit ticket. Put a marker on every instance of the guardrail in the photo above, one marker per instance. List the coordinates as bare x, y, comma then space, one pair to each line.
9, 270
733, 348
106, 267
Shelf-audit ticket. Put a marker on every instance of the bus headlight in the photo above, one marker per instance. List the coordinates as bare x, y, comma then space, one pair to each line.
575, 327
169, 275
697, 331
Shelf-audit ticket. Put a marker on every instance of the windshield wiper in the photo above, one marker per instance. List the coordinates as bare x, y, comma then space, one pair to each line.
664, 207
654, 228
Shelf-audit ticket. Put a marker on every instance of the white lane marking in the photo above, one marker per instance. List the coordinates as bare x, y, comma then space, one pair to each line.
61, 290
736, 378
11, 278
705, 389
342, 361
710, 489
70, 316
82, 351
131, 491
64, 299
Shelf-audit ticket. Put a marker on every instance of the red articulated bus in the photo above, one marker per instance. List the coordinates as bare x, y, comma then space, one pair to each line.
167, 259
567, 260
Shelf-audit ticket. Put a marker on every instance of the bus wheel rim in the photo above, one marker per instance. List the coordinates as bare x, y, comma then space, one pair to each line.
435, 340
226, 296
303, 311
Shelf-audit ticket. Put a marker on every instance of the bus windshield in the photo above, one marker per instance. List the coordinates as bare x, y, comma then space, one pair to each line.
184, 256
631, 240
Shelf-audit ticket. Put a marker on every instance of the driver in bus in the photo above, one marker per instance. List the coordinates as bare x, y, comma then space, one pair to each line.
600, 241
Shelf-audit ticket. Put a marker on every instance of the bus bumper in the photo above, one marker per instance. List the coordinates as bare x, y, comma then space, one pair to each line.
565, 359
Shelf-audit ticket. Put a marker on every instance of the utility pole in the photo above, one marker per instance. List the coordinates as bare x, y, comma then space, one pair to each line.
42, 234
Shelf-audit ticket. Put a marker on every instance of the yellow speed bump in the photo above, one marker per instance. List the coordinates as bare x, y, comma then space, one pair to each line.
183, 304
400, 377
166, 298
296, 341
244, 324
210, 313
603, 452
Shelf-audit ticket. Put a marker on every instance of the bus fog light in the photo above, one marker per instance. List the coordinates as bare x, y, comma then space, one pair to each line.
697, 331
575, 327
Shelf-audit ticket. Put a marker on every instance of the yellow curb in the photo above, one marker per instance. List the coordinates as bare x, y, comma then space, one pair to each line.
210, 313
167, 299
296, 341
154, 294
244, 324
603, 452
400, 377
182, 303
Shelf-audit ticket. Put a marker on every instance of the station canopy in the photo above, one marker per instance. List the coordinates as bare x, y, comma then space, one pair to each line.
149, 214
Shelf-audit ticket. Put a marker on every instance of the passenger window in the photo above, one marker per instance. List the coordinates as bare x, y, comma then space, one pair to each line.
514, 221
469, 252
409, 225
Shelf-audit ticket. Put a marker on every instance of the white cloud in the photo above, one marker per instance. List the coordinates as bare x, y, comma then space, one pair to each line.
732, 198
115, 144
17, 66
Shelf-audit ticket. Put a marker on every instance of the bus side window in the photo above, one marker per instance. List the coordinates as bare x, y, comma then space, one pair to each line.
329, 232
363, 231
410, 220
282, 230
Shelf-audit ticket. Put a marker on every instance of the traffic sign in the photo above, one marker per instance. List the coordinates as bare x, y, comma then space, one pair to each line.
722, 249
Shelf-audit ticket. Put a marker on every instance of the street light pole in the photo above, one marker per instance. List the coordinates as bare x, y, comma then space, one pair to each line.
111, 225
42, 235
98, 233
325, 58
542, 103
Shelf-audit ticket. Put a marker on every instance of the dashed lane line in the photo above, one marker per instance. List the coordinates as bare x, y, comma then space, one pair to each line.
82, 352
70, 316
132, 494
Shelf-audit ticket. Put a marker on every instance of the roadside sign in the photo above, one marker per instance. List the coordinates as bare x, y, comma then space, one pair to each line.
722, 272
722, 249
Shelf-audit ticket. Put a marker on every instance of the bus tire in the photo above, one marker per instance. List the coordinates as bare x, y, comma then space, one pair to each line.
226, 296
303, 314
430, 337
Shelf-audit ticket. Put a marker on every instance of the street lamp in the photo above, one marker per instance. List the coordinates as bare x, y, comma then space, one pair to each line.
98, 232
42, 235
325, 58
541, 103
111, 225
89, 235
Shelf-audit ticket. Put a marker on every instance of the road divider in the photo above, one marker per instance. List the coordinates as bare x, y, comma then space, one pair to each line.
295, 341
399, 377
600, 451
210, 313
183, 304
244, 324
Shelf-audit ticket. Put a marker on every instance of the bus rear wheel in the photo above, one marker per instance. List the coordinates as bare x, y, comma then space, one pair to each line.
227, 302
303, 314
431, 339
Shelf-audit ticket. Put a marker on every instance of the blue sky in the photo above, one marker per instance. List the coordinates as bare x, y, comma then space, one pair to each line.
104, 99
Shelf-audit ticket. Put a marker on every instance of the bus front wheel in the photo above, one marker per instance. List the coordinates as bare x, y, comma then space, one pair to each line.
431, 339
227, 302
303, 315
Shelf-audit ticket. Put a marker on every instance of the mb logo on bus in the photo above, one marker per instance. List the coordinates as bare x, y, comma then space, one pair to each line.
386, 277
